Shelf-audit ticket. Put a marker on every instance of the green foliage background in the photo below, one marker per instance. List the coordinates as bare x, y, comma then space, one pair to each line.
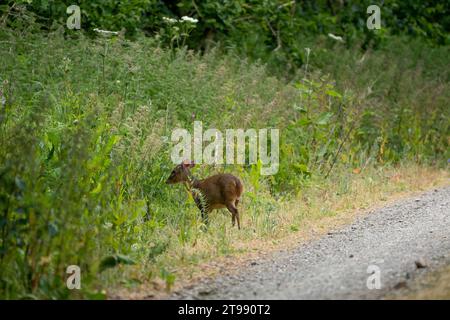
256, 28
84, 121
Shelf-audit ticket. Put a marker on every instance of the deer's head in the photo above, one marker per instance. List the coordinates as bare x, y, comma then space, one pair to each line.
180, 173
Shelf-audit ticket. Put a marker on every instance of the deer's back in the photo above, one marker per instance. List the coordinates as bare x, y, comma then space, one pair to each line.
221, 188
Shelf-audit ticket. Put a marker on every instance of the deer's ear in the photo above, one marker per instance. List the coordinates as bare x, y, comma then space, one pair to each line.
188, 164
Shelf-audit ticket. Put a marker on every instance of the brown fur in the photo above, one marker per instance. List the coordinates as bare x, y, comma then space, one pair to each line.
220, 191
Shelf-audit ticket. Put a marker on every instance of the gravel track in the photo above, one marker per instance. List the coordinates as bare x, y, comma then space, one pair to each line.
403, 240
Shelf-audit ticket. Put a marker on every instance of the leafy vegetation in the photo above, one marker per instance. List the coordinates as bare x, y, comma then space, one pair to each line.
85, 125
274, 31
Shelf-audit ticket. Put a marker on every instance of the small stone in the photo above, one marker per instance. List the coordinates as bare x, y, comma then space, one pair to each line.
253, 263
351, 256
205, 292
420, 264
400, 285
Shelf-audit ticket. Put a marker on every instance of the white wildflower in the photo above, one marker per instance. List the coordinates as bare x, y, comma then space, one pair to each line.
189, 19
169, 20
134, 246
107, 225
337, 38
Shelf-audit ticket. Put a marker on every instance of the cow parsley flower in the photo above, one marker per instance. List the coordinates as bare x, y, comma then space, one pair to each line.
189, 19
169, 20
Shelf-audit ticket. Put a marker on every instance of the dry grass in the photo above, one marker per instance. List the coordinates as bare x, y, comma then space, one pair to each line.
432, 286
314, 212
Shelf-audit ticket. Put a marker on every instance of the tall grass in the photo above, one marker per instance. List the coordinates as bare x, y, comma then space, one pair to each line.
84, 150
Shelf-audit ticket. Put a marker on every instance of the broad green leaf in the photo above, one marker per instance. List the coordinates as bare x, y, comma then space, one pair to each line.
333, 93
324, 118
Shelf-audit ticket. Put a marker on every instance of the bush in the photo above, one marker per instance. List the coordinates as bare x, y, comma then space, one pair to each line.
84, 150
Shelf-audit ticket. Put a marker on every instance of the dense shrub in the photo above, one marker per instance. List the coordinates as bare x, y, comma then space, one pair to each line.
274, 31
84, 148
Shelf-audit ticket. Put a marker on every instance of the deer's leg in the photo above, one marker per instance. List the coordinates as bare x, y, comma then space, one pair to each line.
205, 214
234, 215
205, 221
203, 210
237, 213
238, 219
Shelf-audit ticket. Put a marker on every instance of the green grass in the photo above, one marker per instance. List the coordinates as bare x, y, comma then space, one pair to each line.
83, 158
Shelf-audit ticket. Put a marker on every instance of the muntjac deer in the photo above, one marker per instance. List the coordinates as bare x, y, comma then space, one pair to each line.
218, 191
